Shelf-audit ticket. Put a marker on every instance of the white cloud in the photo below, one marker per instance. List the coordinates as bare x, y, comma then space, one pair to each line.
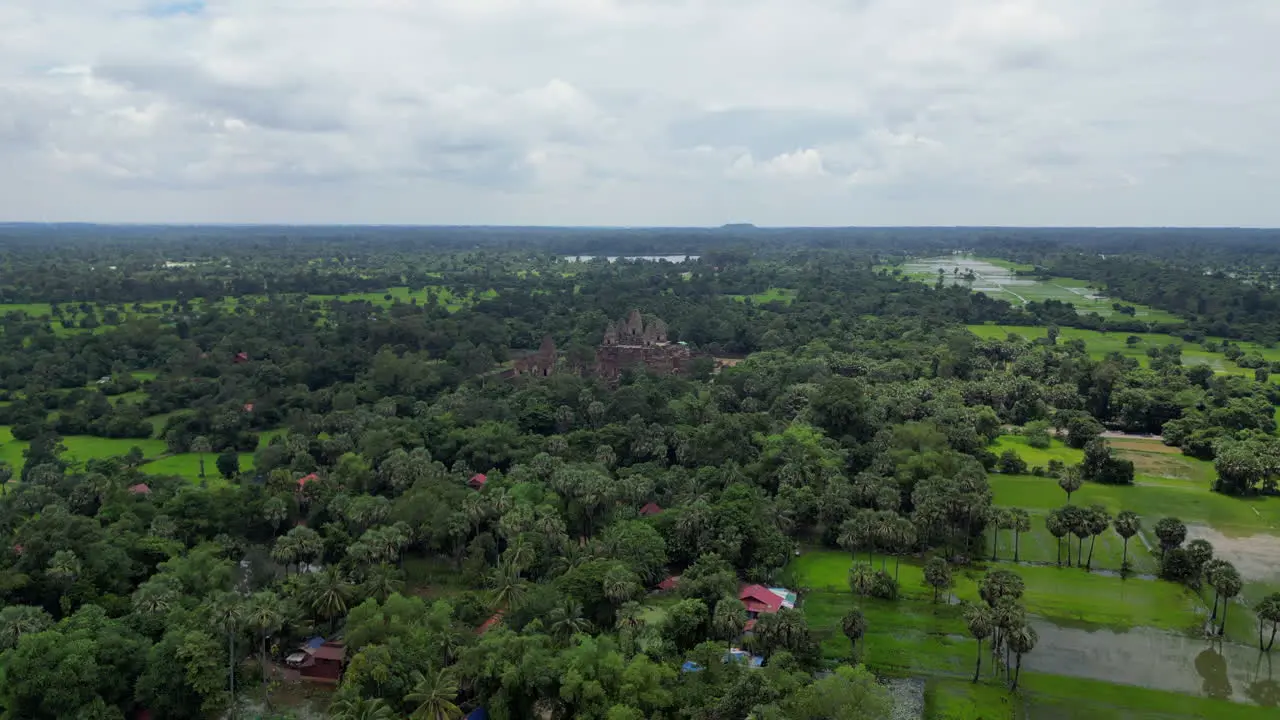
641, 111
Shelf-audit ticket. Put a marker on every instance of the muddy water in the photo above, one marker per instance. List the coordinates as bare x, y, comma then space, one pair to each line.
1257, 557
1161, 661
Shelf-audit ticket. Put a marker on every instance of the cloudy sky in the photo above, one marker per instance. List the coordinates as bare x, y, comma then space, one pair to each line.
642, 112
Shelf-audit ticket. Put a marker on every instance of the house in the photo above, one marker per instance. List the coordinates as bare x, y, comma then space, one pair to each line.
477, 481
248, 407
759, 600
241, 357
489, 624
140, 489
325, 664
669, 584
651, 509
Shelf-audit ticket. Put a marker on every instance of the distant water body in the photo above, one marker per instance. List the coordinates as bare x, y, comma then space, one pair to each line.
650, 258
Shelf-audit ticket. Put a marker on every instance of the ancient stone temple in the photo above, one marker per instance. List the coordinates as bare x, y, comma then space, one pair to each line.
541, 363
635, 343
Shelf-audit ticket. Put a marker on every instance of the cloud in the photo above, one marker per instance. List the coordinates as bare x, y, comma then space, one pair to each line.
631, 112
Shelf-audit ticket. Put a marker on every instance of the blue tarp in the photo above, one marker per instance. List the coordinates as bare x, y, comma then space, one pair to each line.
478, 714
314, 643
690, 666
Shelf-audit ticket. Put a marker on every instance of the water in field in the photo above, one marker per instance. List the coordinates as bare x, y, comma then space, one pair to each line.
1158, 660
970, 272
650, 258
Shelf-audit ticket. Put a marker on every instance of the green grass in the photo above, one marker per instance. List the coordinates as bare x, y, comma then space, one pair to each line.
402, 294
187, 465
786, 296
1058, 697
1033, 457
1100, 344
955, 699
1068, 595
1153, 498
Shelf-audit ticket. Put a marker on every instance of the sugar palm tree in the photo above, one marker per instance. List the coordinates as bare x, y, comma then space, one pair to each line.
1021, 523
1000, 520
1070, 481
381, 582
981, 624
854, 625
226, 612
567, 621
729, 620
1228, 585
433, 696
328, 594
1056, 524
1097, 520
1127, 525
265, 615
1268, 610
201, 445
1022, 640
19, 620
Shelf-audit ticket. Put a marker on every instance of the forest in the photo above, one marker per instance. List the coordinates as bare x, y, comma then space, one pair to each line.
373, 473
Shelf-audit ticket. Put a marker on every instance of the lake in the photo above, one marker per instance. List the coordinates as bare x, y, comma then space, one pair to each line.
650, 258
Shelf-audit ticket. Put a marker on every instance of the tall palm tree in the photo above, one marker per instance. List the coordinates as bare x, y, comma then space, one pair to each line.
1228, 585
265, 615
1097, 520
1000, 520
1021, 524
1127, 525
275, 511
904, 539
854, 625
981, 624
328, 594
620, 585
506, 588
433, 696
154, 598
1022, 640
729, 620
567, 621
226, 612
381, 582
1268, 610
353, 707
201, 445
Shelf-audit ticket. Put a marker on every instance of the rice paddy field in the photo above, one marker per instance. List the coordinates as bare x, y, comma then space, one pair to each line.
1111, 646
1001, 279
785, 296
1100, 344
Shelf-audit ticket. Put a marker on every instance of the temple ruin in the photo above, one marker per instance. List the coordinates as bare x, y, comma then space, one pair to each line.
631, 343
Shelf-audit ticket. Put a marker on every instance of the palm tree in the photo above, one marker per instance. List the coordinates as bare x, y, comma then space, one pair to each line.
630, 619
154, 597
1228, 586
1211, 570
275, 511
506, 588
64, 569
729, 620
328, 594
1070, 481
567, 621
285, 551
903, 532
201, 445
1022, 640
434, 696
981, 623
381, 582
1127, 525
620, 585
854, 625
19, 620
1056, 524
1268, 610
1000, 520
226, 611
1021, 523
1097, 520
265, 615
353, 707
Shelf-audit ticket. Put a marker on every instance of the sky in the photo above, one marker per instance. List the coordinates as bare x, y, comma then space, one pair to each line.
642, 112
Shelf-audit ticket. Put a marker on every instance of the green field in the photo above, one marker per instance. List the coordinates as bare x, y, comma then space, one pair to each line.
999, 278
444, 296
187, 465
786, 296
1033, 457
1100, 344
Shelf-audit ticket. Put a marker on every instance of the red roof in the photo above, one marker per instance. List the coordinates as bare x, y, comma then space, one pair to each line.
302, 481
759, 598
18, 549
670, 583
488, 624
478, 480
331, 651
248, 407
242, 356
140, 489
651, 509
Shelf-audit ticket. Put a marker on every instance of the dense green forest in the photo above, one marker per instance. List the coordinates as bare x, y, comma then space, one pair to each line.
218, 444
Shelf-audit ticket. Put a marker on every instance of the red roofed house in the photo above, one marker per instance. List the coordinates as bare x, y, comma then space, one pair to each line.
651, 509
242, 357
248, 407
325, 664
140, 489
760, 599
477, 481
669, 584
302, 481
489, 624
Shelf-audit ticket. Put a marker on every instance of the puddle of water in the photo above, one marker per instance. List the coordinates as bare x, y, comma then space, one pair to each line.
651, 258
1257, 557
1161, 661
